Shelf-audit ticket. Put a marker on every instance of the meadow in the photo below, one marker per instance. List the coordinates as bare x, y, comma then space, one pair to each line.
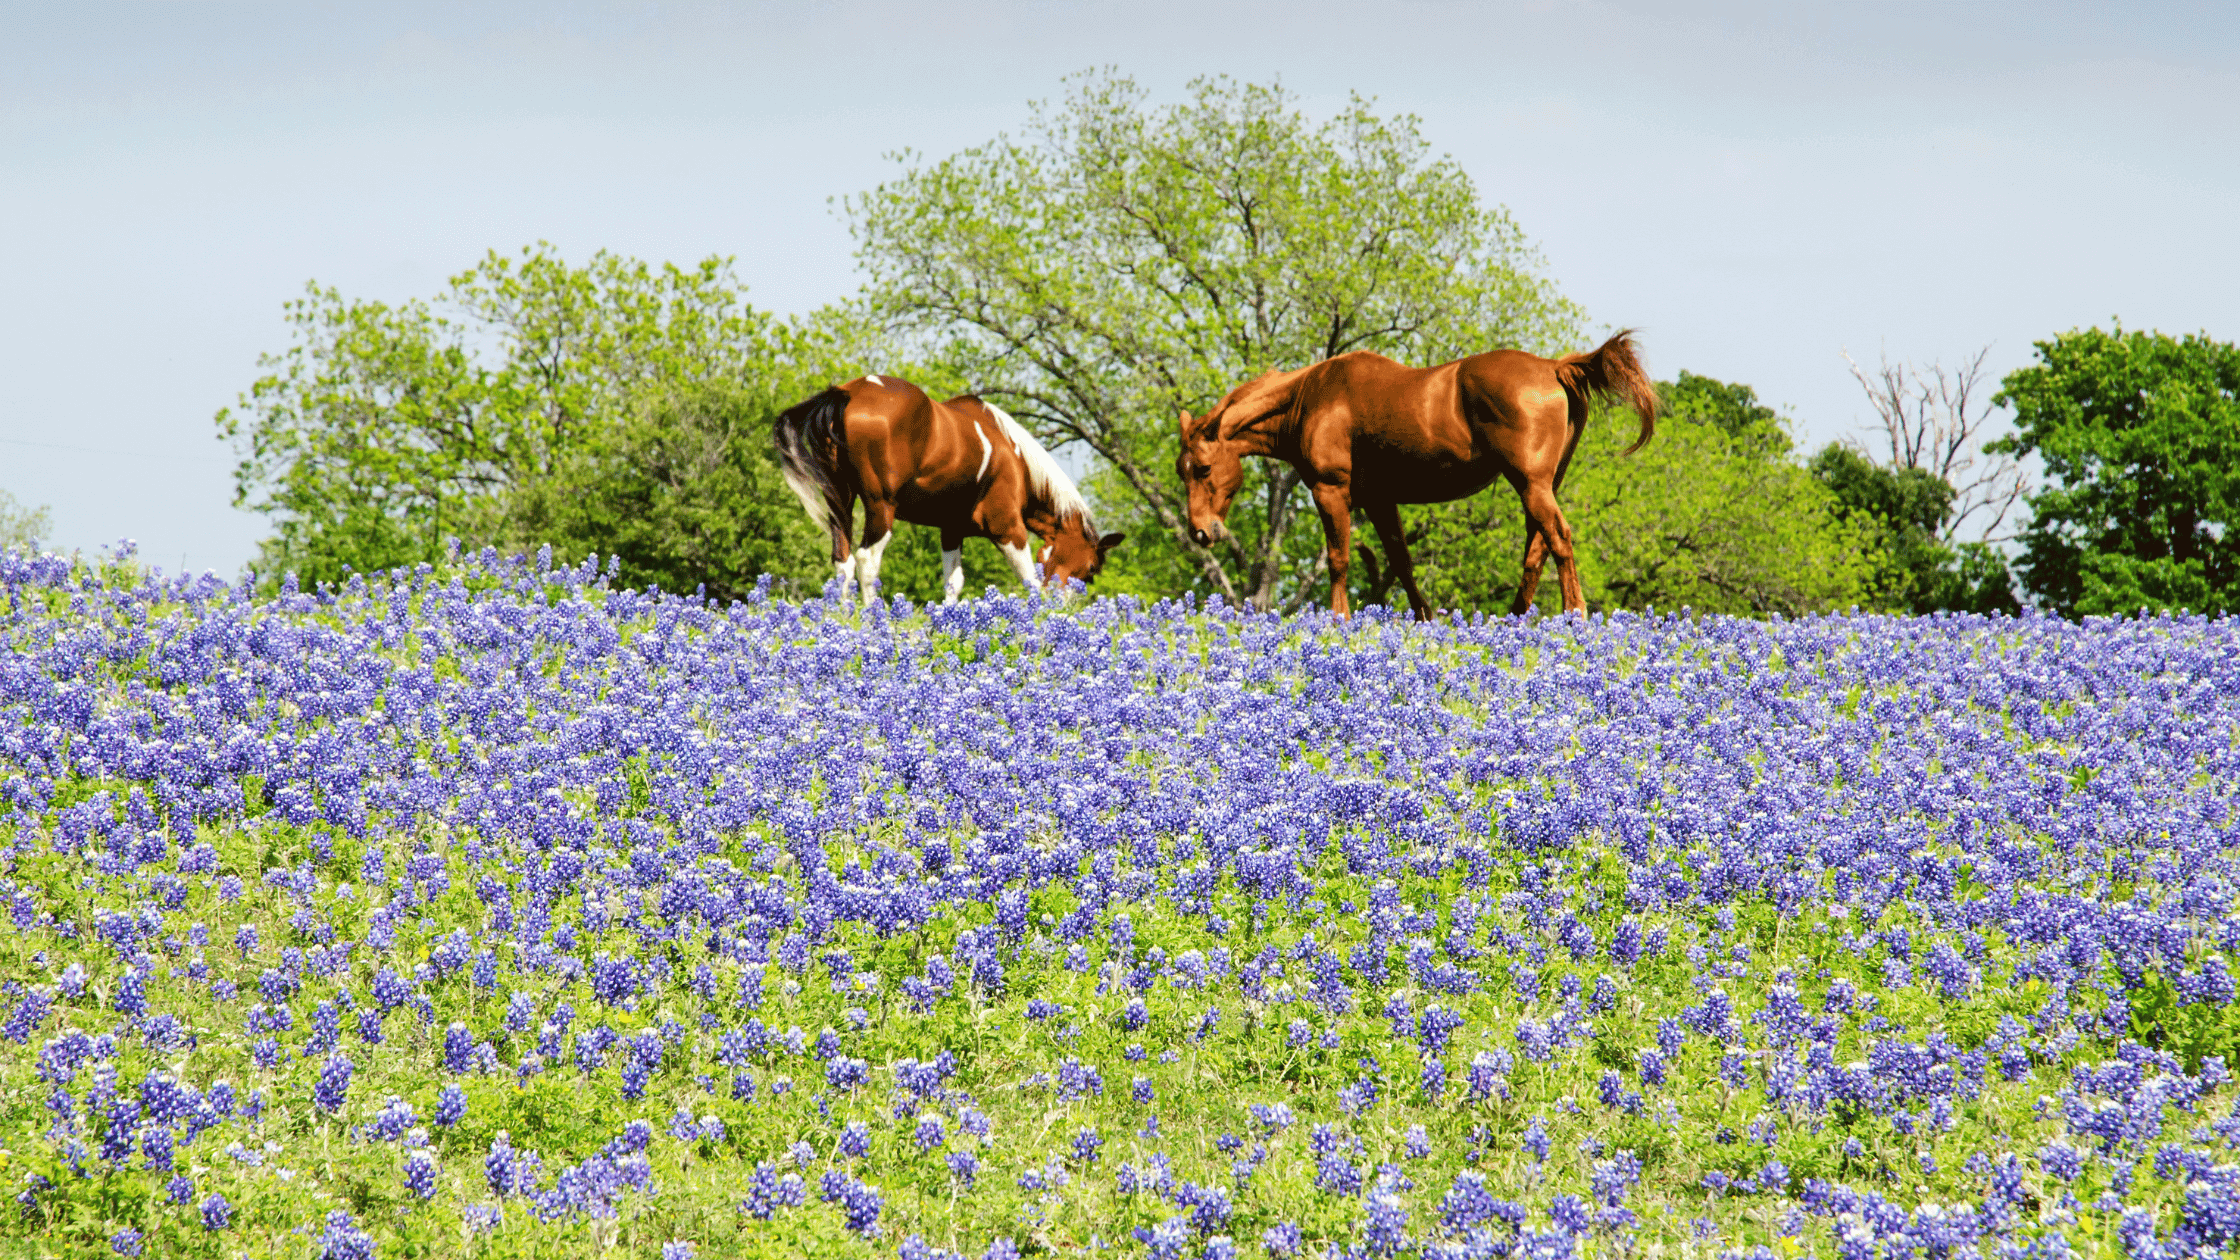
492, 910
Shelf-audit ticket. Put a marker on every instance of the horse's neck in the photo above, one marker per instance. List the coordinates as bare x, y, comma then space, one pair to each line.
1043, 521
1264, 421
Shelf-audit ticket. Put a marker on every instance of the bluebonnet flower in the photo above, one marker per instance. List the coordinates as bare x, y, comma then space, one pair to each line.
1274, 1117
217, 1212
333, 1087
481, 1218
1166, 1240
1078, 1080
964, 1166
125, 1242
859, 1202
500, 1168
343, 1240
451, 1106
1385, 1232
392, 1121
683, 1127
420, 1175
1433, 1078
1536, 1140
2061, 1160
844, 1073
156, 1146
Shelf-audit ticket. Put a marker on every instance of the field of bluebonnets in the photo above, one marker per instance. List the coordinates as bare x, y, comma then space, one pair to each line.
496, 912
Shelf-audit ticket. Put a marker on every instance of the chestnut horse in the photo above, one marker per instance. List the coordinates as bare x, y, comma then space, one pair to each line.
1366, 432
961, 466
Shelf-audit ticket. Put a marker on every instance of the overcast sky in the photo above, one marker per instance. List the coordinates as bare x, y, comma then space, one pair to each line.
1757, 188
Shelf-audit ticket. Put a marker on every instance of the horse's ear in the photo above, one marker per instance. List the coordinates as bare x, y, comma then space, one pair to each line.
1109, 541
1185, 426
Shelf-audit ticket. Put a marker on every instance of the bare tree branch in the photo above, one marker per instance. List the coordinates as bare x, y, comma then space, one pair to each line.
1934, 418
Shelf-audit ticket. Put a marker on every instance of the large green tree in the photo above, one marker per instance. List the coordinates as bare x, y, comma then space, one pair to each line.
1119, 262
613, 406
2140, 436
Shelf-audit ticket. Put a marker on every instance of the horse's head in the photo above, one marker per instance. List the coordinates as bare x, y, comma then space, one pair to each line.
1073, 550
1211, 470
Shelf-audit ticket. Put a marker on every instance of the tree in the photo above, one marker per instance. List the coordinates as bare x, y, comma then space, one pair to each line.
1932, 422
2140, 436
22, 526
596, 406
1939, 478
1906, 511
1714, 515
1120, 263
1733, 409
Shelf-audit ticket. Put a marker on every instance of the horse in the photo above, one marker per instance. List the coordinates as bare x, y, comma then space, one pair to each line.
961, 466
1366, 432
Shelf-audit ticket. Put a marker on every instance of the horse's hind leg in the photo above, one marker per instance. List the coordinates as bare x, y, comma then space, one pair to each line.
1386, 518
1554, 533
842, 511
1535, 555
952, 566
878, 527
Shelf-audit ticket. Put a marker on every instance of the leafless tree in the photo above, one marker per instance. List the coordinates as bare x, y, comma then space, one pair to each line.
1934, 419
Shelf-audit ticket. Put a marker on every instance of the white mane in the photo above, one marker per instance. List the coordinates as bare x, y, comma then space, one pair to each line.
1043, 473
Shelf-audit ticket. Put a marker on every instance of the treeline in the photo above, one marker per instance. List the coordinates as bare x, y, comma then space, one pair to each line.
1119, 262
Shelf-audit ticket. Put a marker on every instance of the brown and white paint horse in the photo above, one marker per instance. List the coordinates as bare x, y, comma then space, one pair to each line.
1366, 432
961, 466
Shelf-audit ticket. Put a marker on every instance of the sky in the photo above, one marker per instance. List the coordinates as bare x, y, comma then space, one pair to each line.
1756, 188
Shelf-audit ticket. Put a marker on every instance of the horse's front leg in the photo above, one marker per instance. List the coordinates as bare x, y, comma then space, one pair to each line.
1334, 501
1018, 551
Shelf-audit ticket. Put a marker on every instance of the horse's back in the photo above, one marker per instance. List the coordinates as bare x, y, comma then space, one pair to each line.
1434, 433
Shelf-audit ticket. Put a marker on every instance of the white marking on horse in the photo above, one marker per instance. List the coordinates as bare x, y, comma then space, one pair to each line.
987, 451
867, 568
1022, 563
874, 379
952, 575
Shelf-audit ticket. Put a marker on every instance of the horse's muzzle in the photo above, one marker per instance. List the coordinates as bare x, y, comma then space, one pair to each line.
1201, 537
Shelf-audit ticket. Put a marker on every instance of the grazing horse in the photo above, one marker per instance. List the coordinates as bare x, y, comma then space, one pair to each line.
1366, 432
961, 466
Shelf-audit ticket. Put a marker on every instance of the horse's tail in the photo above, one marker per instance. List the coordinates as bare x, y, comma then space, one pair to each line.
809, 438
1612, 373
